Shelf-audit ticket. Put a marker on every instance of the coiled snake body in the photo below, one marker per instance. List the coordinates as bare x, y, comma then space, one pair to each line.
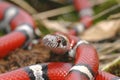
86, 62
84, 9
49, 71
19, 22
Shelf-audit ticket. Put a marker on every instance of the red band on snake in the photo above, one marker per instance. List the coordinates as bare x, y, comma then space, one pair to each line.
49, 71
19, 22
83, 7
86, 63
85, 55
86, 59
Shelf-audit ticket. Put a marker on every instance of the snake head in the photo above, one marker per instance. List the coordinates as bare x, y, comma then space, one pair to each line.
57, 43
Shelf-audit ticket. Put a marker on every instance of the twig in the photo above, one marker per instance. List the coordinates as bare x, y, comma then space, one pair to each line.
97, 2
106, 11
67, 9
53, 25
107, 48
60, 1
111, 49
105, 57
25, 6
115, 16
93, 2
54, 12
111, 63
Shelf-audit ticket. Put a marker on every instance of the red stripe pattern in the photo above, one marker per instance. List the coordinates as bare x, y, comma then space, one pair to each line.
10, 42
58, 71
54, 71
83, 7
85, 10
19, 74
87, 54
86, 59
17, 38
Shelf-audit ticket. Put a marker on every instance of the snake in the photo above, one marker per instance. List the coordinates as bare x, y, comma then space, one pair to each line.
86, 61
49, 71
85, 13
20, 26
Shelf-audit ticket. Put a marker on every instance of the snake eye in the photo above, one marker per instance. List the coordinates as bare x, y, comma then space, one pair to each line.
64, 42
59, 41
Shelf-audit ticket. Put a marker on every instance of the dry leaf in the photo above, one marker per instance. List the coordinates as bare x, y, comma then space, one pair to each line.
101, 31
54, 25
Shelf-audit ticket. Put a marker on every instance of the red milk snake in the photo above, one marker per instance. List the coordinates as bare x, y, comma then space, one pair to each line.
20, 23
84, 9
86, 62
49, 71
